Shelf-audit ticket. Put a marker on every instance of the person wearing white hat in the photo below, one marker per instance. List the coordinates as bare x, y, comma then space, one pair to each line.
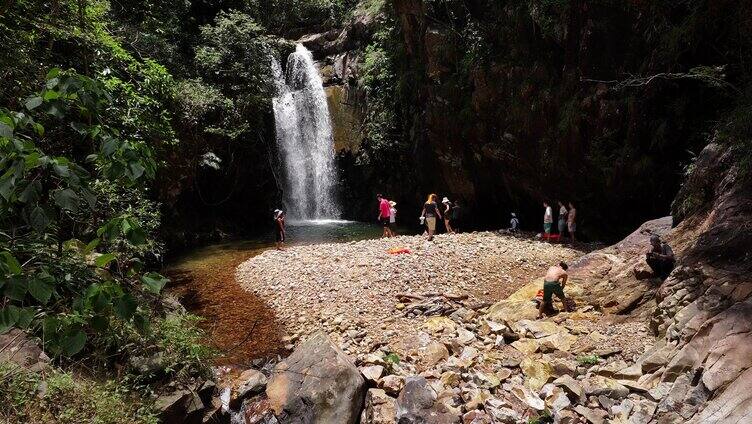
447, 214
279, 228
392, 217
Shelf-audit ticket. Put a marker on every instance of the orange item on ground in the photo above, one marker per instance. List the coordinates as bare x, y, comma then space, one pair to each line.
398, 250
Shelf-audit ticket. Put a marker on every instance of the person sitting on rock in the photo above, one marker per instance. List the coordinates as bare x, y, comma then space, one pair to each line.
553, 283
514, 223
660, 257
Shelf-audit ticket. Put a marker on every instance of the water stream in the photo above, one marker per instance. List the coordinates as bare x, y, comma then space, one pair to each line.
304, 139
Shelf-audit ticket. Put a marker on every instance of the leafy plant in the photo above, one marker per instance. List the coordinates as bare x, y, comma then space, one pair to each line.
50, 281
588, 359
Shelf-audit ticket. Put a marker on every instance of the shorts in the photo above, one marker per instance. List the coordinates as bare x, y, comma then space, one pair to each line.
280, 236
550, 288
562, 226
547, 227
431, 223
384, 222
572, 227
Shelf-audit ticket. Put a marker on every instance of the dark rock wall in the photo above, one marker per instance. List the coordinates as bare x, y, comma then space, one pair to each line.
510, 113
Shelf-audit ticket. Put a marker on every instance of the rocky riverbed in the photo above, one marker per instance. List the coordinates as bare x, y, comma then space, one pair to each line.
361, 295
448, 333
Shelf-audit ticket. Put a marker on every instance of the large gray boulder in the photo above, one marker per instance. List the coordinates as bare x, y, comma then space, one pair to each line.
416, 404
316, 384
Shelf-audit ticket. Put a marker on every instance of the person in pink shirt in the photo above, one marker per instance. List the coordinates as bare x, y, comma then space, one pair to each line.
384, 214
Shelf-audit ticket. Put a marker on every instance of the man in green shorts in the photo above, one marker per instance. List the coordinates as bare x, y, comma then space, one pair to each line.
553, 283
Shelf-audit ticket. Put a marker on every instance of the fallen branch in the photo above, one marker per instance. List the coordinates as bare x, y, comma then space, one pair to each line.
712, 76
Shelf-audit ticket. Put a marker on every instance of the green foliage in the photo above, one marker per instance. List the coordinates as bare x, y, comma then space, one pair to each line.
180, 340
588, 359
72, 294
58, 397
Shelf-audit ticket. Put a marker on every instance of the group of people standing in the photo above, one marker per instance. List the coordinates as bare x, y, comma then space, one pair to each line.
567, 220
448, 211
387, 215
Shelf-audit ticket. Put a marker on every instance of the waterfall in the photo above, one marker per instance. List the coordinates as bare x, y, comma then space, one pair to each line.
304, 139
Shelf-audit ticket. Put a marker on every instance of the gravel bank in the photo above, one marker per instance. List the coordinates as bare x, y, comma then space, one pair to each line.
350, 289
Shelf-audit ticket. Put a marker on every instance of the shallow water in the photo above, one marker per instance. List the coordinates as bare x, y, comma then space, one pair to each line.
238, 323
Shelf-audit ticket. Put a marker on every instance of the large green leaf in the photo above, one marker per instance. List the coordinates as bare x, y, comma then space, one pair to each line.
125, 306
38, 219
104, 260
99, 323
67, 199
72, 342
33, 102
154, 282
8, 318
10, 262
40, 289
16, 288
25, 316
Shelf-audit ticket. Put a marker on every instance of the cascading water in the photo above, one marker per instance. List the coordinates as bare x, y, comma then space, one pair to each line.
304, 139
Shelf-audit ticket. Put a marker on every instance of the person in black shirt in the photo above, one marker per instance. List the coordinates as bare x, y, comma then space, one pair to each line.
660, 257
430, 212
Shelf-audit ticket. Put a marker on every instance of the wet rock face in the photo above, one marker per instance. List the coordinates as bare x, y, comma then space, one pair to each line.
316, 384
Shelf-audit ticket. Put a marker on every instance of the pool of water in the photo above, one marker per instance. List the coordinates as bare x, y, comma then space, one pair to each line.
237, 323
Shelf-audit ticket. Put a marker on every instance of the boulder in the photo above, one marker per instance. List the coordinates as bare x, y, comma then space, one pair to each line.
184, 406
392, 384
500, 412
599, 385
372, 373
572, 386
593, 416
250, 382
539, 329
17, 347
526, 346
439, 325
476, 417
379, 408
528, 397
416, 404
538, 372
733, 405
316, 384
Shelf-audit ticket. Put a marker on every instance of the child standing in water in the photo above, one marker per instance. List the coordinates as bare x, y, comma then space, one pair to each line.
279, 228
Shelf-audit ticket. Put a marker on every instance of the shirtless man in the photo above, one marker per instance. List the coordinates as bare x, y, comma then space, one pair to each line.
553, 283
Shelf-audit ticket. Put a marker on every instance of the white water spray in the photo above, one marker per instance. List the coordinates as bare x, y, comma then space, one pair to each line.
304, 139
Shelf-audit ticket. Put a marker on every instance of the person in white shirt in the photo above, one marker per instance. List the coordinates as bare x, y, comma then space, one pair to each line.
548, 219
393, 217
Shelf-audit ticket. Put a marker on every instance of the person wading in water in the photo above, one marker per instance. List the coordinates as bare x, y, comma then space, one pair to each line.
553, 283
430, 212
279, 228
